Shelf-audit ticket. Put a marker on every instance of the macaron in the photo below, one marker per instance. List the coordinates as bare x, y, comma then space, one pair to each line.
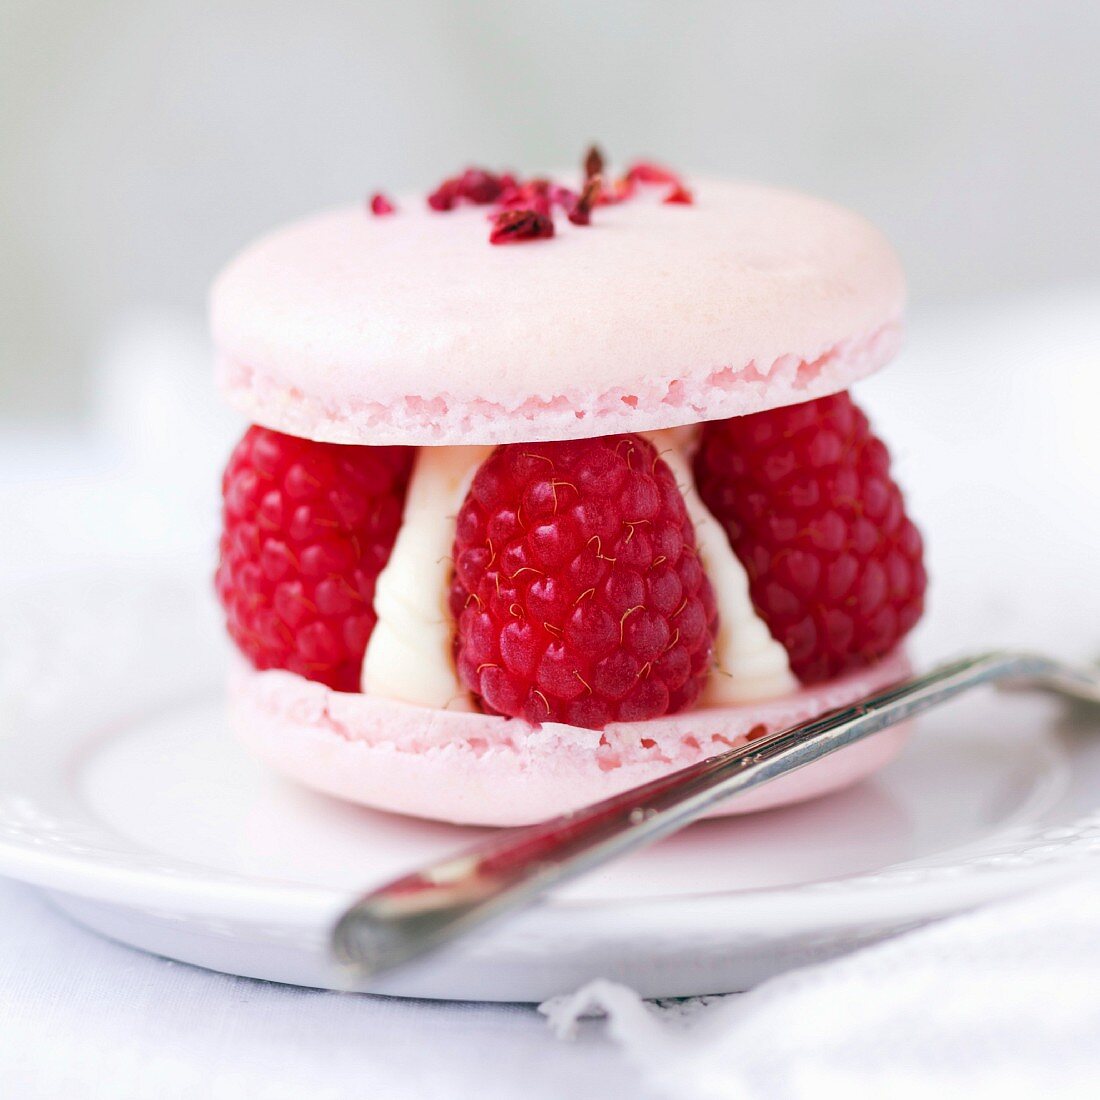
483, 769
407, 329
554, 486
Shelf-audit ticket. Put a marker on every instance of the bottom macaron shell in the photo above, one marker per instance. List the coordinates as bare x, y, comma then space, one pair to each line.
480, 769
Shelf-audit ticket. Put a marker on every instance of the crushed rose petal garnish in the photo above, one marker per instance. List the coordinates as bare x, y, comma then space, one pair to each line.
514, 226
580, 213
480, 187
535, 195
381, 204
444, 196
679, 195
593, 162
565, 197
619, 191
644, 171
525, 208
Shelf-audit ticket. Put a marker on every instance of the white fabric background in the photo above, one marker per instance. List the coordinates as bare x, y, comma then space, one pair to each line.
1003, 1002
86, 1019
1000, 402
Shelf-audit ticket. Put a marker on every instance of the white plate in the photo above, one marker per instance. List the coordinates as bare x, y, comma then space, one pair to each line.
122, 795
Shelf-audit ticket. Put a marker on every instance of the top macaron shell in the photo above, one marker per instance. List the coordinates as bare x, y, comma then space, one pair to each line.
411, 328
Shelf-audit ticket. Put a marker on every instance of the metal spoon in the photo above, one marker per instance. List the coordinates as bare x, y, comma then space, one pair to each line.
441, 901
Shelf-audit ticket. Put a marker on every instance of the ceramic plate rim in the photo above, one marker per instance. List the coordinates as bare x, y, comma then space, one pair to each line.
1039, 855
147, 613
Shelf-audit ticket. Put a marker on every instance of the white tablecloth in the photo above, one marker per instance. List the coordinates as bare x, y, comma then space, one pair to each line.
979, 405
1003, 1002
86, 1019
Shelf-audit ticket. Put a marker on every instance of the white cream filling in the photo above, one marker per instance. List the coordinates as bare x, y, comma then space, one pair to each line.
749, 664
410, 655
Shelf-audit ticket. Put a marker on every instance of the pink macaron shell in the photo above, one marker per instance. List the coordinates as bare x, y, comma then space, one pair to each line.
412, 329
482, 769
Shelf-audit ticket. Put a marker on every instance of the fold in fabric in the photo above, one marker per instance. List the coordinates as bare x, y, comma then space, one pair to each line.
1001, 1002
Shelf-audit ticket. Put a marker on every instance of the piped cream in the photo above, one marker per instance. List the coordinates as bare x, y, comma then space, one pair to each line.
749, 664
410, 655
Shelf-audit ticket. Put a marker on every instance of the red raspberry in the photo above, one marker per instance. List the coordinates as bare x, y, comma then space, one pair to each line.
577, 591
805, 496
307, 529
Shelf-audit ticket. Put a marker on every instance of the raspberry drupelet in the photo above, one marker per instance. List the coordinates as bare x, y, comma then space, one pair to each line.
807, 501
307, 529
578, 594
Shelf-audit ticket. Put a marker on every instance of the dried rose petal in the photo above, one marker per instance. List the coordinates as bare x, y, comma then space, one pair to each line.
644, 171
621, 190
581, 211
532, 195
523, 209
565, 197
515, 226
479, 186
444, 196
593, 162
381, 204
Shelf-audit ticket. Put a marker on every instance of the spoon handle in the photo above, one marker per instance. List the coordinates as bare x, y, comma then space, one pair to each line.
431, 906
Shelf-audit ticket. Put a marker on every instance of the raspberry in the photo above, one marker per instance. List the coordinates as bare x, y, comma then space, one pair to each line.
307, 528
806, 498
577, 592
